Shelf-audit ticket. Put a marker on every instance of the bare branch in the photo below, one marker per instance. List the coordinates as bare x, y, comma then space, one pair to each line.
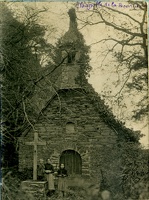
27, 115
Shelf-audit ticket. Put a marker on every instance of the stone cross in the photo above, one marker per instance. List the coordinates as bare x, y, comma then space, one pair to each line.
35, 143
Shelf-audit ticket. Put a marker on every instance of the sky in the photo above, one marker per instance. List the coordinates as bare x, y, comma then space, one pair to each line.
56, 17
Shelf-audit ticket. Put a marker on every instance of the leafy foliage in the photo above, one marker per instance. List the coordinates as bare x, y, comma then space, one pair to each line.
81, 190
124, 134
123, 170
134, 170
22, 44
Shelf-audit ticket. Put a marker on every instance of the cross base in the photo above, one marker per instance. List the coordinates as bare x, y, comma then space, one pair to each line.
35, 189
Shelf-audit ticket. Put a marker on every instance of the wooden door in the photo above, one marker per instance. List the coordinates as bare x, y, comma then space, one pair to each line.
72, 161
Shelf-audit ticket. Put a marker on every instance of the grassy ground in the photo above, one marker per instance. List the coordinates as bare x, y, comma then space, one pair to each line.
11, 189
77, 190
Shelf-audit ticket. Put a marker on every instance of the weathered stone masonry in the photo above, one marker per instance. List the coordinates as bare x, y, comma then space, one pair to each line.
73, 106
69, 122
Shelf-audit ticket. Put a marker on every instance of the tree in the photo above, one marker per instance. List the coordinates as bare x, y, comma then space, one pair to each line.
126, 48
124, 170
22, 44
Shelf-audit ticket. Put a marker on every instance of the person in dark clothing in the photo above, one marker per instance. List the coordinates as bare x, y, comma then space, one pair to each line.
62, 185
41, 170
49, 170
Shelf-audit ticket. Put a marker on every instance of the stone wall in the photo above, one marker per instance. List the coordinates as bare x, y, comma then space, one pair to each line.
90, 131
35, 190
68, 76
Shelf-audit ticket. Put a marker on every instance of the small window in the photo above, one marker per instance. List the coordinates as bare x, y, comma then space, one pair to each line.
86, 106
70, 127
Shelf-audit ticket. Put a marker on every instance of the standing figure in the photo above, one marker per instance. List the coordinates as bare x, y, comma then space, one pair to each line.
62, 174
49, 170
41, 170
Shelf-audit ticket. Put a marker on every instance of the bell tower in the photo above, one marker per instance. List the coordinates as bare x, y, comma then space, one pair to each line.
69, 46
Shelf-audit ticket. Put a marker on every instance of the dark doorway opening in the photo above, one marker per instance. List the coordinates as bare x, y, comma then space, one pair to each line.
72, 161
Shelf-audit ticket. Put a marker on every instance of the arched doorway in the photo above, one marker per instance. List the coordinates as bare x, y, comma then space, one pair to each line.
72, 161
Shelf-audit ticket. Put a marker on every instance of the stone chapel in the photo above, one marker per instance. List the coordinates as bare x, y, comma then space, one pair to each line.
72, 119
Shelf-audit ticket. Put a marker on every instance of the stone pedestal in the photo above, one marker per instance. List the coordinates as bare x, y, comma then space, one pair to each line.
35, 189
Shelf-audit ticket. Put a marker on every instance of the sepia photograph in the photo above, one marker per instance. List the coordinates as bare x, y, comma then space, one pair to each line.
74, 103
